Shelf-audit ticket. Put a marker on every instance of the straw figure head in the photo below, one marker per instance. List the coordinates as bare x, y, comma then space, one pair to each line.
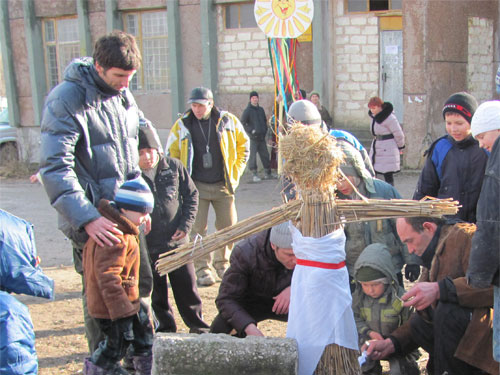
312, 158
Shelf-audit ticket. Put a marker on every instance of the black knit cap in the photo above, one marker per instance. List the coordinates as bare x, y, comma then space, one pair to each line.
254, 93
148, 138
462, 103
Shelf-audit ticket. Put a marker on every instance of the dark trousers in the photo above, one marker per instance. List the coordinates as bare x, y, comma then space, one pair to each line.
187, 298
135, 331
258, 310
440, 334
388, 177
260, 147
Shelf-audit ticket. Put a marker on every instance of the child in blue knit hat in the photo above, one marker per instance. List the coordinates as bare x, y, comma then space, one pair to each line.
111, 275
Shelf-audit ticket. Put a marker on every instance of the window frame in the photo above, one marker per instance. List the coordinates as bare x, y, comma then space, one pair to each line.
390, 9
56, 44
225, 7
140, 74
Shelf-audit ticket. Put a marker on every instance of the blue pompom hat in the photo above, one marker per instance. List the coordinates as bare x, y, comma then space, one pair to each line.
135, 195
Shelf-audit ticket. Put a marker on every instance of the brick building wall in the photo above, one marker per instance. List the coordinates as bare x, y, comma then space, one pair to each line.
480, 58
356, 67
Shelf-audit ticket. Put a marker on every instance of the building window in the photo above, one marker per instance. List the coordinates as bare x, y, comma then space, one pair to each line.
238, 16
150, 31
373, 5
61, 44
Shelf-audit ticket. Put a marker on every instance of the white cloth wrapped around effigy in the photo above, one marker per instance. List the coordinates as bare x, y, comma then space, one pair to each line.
320, 303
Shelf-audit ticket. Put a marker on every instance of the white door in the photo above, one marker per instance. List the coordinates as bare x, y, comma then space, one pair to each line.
391, 70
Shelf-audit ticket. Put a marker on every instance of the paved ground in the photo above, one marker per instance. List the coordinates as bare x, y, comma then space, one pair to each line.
60, 340
30, 202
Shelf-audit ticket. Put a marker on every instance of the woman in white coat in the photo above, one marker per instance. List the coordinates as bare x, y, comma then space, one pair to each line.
388, 139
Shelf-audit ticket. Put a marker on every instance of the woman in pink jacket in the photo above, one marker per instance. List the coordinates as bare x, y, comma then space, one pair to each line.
388, 139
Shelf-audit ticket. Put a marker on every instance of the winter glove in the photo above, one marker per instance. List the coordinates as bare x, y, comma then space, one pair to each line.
412, 272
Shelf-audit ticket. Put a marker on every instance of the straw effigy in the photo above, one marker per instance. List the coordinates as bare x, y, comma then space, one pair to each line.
312, 160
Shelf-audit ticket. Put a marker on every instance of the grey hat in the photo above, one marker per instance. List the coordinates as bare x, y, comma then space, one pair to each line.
201, 95
353, 164
305, 112
281, 236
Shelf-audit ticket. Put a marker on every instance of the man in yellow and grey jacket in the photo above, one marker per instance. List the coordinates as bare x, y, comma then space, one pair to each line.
214, 148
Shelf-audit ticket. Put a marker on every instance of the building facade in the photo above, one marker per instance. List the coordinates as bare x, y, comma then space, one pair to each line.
413, 53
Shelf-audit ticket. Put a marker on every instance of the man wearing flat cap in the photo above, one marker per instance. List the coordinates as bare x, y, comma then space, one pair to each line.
213, 146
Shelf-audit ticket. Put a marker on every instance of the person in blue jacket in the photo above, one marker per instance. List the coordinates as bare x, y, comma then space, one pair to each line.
19, 273
455, 163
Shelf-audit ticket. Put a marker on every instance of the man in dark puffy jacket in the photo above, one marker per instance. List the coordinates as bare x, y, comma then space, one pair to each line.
89, 132
256, 285
255, 124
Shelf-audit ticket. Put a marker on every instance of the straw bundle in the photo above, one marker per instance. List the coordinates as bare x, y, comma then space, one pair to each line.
182, 255
348, 211
311, 158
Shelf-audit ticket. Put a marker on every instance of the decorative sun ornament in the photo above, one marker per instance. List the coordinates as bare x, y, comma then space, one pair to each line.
283, 18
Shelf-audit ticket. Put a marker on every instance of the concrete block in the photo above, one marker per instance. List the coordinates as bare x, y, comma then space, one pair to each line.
260, 54
359, 21
244, 54
224, 47
358, 39
253, 62
238, 46
252, 45
244, 36
254, 80
238, 63
229, 38
352, 30
190, 354
342, 21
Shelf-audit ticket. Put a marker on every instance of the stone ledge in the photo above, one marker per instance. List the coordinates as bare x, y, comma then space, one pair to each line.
183, 354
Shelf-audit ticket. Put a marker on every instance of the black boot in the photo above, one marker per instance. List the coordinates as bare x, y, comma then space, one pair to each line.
143, 364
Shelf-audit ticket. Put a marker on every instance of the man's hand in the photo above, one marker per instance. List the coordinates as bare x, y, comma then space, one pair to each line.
375, 335
252, 330
378, 349
412, 272
178, 235
103, 231
282, 302
421, 295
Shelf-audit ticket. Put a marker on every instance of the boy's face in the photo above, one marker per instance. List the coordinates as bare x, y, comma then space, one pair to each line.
315, 99
148, 157
345, 187
457, 126
487, 139
135, 217
373, 289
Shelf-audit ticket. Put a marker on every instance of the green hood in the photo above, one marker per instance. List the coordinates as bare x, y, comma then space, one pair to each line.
377, 256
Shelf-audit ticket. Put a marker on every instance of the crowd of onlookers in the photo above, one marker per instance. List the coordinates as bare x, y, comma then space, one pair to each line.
123, 199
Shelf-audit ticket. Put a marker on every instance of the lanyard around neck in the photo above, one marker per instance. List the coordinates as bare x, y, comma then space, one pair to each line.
207, 139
